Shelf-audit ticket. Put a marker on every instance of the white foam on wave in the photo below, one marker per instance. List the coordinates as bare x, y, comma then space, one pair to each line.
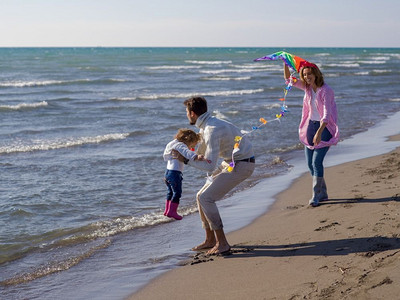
24, 105
44, 145
257, 66
107, 228
236, 70
35, 83
187, 95
364, 73
30, 83
100, 230
344, 65
220, 115
381, 71
173, 67
208, 62
383, 57
372, 62
226, 78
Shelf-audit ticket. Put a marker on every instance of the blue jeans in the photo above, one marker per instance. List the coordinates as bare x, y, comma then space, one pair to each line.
315, 157
173, 180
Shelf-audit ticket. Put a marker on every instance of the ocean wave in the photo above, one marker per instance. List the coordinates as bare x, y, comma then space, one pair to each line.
187, 95
343, 65
43, 145
237, 70
208, 62
273, 105
225, 78
220, 115
54, 267
381, 71
97, 233
257, 66
22, 84
23, 106
396, 55
118, 225
173, 67
70, 237
372, 62
383, 57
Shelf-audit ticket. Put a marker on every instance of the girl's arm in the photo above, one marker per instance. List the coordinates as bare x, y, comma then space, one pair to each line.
286, 72
298, 83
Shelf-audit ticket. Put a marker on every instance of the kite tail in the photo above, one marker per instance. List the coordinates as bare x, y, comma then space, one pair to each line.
263, 122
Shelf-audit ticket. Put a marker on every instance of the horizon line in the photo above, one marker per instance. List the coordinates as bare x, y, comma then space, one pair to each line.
305, 47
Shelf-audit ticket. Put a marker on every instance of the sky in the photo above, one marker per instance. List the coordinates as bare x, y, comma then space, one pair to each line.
199, 23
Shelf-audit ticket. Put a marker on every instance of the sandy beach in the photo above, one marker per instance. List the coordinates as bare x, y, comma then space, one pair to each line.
347, 248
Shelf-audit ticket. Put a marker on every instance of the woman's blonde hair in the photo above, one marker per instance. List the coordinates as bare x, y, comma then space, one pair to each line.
319, 78
188, 136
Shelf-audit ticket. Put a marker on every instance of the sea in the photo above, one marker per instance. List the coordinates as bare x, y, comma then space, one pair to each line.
82, 135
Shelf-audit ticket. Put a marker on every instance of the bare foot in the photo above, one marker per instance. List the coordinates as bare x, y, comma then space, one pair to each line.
203, 246
219, 249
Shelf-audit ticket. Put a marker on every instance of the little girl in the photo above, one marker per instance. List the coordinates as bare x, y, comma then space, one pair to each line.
184, 141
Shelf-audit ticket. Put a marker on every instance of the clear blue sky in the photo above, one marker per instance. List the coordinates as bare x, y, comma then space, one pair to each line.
220, 23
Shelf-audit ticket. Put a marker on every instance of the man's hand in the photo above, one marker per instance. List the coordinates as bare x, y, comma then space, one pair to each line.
175, 154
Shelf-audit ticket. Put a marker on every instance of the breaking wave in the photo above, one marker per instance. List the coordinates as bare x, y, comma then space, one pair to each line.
43, 145
98, 232
187, 95
23, 106
22, 84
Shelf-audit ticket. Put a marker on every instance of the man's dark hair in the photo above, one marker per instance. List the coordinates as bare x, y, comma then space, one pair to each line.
198, 105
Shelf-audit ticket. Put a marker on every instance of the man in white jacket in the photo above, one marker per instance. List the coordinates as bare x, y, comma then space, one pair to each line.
218, 142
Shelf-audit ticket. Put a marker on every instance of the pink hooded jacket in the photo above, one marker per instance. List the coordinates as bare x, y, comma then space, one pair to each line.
326, 106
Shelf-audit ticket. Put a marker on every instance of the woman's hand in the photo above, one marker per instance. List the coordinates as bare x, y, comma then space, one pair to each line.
317, 138
318, 134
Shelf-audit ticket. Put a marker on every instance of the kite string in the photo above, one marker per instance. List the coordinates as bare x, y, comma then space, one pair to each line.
284, 109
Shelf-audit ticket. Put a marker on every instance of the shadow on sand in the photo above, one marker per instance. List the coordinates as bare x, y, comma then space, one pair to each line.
368, 246
361, 200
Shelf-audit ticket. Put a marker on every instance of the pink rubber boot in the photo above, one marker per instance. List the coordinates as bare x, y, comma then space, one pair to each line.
167, 204
172, 211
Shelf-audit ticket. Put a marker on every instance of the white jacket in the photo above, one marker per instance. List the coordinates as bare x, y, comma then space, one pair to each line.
172, 163
218, 141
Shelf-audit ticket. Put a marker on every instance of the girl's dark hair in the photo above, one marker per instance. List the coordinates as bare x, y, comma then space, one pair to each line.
319, 78
198, 105
187, 136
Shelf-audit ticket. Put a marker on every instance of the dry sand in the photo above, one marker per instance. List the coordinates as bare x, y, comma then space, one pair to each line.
347, 248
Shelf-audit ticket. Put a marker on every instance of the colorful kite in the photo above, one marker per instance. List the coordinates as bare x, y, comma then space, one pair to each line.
294, 63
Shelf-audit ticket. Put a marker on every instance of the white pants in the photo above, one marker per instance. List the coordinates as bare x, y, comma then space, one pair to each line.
223, 182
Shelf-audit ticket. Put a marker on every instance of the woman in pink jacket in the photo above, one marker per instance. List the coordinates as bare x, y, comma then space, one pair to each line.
318, 129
